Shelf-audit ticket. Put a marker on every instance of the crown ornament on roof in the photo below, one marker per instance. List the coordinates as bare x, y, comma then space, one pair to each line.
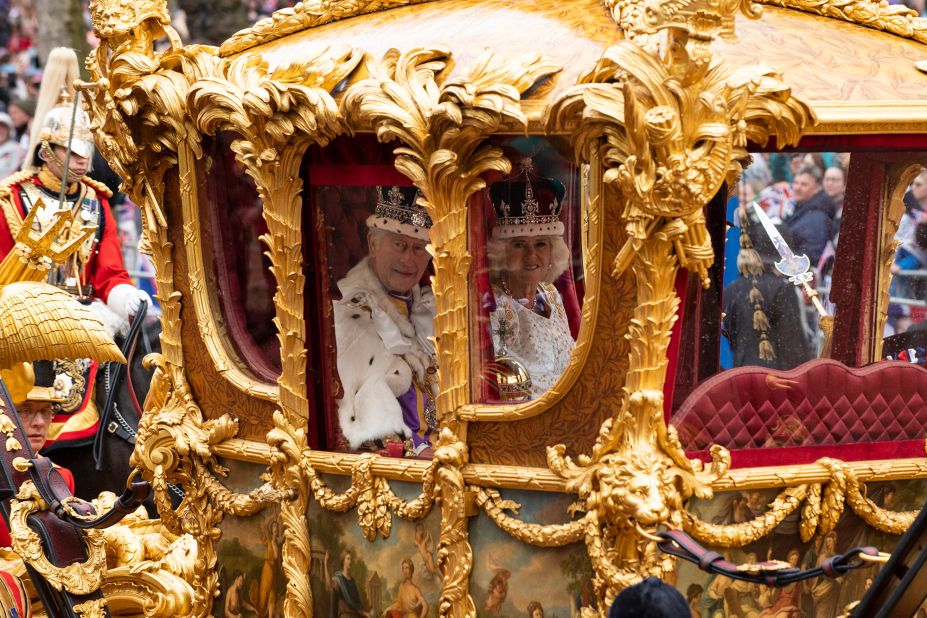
398, 211
535, 214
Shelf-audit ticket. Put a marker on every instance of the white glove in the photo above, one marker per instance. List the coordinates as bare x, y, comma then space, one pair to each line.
125, 300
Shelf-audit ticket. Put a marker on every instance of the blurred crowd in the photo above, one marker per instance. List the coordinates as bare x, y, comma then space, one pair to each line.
803, 194
20, 79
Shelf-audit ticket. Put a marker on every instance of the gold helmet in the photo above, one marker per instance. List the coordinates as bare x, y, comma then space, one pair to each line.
56, 130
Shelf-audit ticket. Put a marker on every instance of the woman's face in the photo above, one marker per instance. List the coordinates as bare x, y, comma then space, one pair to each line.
527, 259
834, 182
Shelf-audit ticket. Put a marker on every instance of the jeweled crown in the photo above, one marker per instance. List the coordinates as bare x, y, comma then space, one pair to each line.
397, 211
525, 207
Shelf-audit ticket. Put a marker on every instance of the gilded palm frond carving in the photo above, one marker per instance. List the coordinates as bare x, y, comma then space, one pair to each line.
39, 321
442, 124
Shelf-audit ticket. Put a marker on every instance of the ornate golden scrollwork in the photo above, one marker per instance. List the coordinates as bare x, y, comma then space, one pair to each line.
307, 14
895, 18
78, 577
174, 445
278, 114
442, 127
670, 131
91, 609
148, 567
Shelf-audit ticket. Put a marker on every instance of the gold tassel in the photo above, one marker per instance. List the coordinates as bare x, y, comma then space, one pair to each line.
749, 263
760, 321
766, 350
755, 296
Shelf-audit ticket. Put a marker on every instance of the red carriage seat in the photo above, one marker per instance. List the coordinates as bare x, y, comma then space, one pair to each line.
828, 403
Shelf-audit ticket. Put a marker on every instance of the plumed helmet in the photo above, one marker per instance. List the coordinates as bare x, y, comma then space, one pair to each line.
56, 130
54, 110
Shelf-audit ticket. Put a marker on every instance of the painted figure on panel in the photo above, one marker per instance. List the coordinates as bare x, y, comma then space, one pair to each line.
824, 590
384, 331
783, 602
235, 604
425, 544
345, 599
263, 592
409, 602
535, 610
498, 590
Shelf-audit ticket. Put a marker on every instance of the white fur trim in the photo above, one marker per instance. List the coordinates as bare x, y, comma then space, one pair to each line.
391, 225
378, 350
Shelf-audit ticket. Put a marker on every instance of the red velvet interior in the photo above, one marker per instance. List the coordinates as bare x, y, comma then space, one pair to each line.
828, 404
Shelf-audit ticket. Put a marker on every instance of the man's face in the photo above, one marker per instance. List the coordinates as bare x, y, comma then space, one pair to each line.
407, 570
76, 163
36, 419
398, 261
804, 187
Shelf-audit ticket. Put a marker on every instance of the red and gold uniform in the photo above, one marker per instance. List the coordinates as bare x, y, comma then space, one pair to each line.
102, 269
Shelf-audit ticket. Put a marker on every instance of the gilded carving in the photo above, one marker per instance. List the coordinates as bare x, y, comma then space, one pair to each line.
216, 339
78, 577
277, 114
668, 132
174, 445
672, 130
455, 556
442, 126
442, 129
308, 14
894, 18
91, 609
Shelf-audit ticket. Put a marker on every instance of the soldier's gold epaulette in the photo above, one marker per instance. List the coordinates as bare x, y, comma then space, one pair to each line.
13, 179
99, 187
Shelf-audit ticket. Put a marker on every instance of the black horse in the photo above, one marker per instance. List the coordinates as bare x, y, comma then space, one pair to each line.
103, 464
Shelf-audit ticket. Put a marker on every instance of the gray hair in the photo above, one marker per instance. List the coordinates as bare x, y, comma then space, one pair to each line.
559, 257
374, 236
812, 170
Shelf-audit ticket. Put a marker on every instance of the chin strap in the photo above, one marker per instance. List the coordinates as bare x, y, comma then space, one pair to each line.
774, 573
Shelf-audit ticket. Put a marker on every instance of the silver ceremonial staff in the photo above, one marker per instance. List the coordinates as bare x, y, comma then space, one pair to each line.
796, 267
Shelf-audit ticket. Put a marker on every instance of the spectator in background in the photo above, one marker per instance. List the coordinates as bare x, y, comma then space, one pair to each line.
835, 186
762, 309
11, 153
813, 218
915, 208
22, 111
911, 255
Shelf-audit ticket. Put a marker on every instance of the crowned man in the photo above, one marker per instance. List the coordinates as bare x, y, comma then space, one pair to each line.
384, 327
60, 155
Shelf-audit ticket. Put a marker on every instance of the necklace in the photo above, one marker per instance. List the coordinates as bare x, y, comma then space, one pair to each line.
528, 303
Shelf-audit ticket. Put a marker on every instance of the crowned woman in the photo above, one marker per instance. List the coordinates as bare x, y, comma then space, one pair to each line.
526, 255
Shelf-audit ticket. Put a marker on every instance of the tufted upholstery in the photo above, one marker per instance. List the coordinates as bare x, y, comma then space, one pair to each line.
829, 403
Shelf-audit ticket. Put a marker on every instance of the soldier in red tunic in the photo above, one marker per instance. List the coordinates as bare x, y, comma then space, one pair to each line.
95, 271
97, 268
